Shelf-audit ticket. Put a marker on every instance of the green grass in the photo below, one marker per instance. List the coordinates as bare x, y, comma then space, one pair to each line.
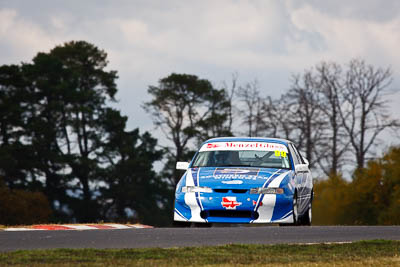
364, 253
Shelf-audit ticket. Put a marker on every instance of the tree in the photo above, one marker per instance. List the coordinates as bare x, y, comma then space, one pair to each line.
22, 207
185, 107
363, 97
390, 184
252, 109
375, 190
276, 118
15, 154
44, 128
371, 198
133, 186
330, 201
305, 114
339, 111
71, 91
324, 84
230, 100
216, 123
331, 153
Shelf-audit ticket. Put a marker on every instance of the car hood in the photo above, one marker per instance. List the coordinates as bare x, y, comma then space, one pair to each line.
234, 177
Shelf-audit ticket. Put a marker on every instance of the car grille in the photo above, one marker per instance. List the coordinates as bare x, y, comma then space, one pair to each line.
237, 191
229, 214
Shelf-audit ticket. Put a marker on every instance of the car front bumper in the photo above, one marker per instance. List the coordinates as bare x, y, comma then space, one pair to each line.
233, 208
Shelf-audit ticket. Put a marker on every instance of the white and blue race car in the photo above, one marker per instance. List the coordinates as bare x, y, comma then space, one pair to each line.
245, 180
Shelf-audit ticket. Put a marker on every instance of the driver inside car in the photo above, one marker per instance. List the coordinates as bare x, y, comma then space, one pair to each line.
230, 158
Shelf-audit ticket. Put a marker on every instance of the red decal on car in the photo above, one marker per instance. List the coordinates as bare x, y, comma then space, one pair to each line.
230, 203
255, 203
212, 145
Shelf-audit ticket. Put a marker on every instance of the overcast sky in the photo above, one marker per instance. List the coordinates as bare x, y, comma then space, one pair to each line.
264, 40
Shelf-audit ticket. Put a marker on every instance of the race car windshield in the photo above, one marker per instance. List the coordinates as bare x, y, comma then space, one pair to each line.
242, 158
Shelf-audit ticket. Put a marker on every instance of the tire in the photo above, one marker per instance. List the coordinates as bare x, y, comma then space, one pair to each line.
296, 219
306, 219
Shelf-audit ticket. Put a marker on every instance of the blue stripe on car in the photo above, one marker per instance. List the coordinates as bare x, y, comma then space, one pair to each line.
195, 177
282, 205
180, 214
260, 198
182, 211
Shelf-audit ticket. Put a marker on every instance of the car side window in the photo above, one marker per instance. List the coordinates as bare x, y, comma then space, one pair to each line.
294, 156
299, 157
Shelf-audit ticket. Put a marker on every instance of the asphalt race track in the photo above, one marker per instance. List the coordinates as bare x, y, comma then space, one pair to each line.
179, 237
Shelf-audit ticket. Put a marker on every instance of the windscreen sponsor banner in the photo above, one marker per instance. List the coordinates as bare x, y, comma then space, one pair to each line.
231, 173
240, 146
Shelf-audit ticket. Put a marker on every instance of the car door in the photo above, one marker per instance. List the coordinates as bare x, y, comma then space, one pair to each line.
298, 176
305, 186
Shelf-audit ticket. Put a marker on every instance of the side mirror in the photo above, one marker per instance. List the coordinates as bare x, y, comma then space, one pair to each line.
304, 158
301, 167
182, 165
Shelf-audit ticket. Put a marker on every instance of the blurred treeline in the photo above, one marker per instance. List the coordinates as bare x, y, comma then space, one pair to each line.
372, 197
67, 156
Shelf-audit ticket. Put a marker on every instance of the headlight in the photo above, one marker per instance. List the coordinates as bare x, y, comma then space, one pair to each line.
267, 190
194, 189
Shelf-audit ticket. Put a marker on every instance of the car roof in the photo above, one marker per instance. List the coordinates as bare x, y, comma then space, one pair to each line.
249, 139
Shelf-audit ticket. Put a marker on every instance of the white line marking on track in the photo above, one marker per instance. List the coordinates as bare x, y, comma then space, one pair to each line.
118, 226
79, 227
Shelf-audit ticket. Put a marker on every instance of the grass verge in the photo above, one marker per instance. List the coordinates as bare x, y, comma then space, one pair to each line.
364, 253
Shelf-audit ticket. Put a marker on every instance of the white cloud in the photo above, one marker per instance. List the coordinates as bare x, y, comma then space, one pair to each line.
22, 38
7, 17
345, 38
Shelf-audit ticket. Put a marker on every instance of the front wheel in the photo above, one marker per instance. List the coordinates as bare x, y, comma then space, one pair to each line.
307, 217
295, 211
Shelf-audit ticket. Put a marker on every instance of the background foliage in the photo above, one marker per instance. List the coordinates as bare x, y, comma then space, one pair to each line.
19, 207
372, 197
